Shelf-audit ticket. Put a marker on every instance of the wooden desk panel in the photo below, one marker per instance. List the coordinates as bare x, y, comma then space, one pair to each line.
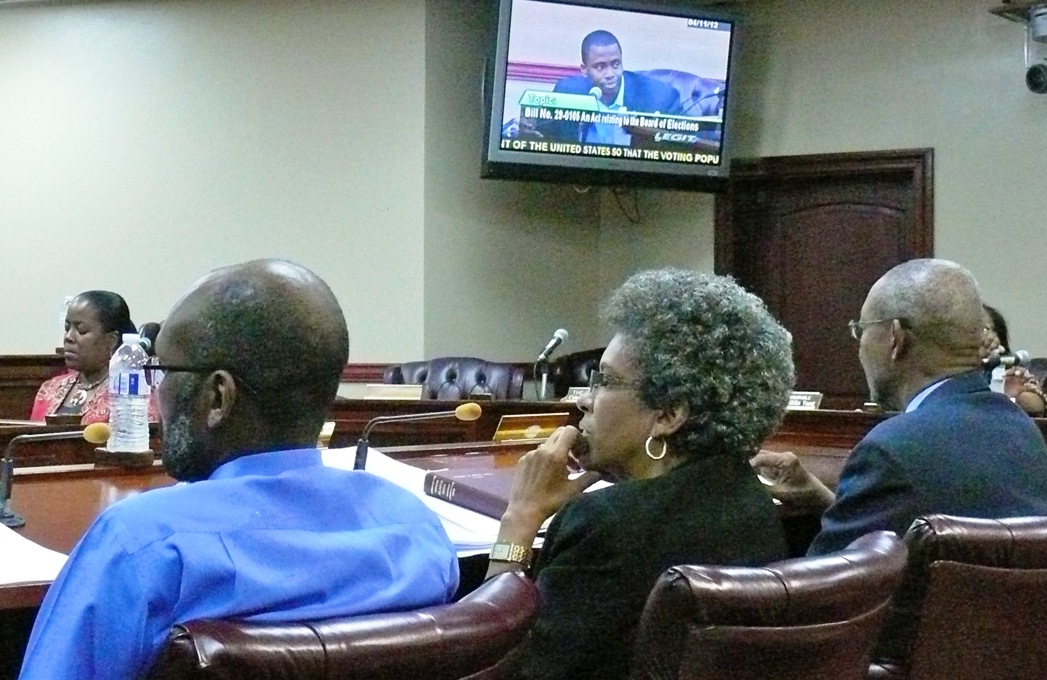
351, 415
36, 453
21, 377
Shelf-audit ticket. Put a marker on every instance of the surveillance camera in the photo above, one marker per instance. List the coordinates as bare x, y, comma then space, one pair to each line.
1036, 78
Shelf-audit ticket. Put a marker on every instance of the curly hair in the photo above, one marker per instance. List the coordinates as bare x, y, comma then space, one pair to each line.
701, 339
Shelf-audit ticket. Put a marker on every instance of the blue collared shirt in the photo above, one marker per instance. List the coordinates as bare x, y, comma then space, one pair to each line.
269, 537
606, 133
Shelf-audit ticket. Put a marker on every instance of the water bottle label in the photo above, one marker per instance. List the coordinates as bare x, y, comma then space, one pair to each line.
129, 384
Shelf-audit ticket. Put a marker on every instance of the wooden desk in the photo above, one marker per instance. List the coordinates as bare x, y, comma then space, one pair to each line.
63, 452
351, 415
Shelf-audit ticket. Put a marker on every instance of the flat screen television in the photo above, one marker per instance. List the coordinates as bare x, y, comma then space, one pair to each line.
620, 93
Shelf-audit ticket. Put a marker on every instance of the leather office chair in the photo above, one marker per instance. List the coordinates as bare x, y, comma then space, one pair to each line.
572, 370
973, 604
698, 96
809, 618
445, 642
453, 378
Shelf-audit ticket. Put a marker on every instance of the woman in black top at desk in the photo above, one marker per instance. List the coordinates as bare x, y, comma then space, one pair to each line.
696, 376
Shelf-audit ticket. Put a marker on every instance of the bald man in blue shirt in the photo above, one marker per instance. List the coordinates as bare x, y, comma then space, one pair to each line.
262, 530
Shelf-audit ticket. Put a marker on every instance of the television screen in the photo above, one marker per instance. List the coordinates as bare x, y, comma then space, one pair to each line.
585, 92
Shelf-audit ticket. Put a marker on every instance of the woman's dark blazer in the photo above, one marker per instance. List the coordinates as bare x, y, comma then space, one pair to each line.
605, 549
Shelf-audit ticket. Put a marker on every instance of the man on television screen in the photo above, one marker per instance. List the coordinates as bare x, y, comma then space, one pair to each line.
619, 91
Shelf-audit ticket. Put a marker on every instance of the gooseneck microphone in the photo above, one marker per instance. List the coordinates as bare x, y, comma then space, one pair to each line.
465, 412
147, 334
1019, 357
560, 336
95, 433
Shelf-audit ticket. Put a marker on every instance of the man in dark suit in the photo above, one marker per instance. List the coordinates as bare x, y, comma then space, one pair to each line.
957, 448
619, 91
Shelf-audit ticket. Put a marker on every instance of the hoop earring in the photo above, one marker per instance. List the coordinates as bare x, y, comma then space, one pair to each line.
647, 449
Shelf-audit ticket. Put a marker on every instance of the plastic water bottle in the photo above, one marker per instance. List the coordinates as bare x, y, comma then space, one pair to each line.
128, 398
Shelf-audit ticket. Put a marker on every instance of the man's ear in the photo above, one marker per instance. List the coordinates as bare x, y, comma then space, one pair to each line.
901, 340
669, 420
222, 393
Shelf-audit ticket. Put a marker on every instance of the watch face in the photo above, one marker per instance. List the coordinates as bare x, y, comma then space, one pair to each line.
509, 552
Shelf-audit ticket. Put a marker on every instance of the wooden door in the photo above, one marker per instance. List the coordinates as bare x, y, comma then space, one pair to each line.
811, 234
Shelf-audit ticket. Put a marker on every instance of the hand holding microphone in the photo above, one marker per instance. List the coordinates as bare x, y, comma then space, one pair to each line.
1017, 358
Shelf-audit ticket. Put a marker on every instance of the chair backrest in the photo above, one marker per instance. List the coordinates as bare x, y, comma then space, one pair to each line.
973, 603
808, 618
698, 96
572, 370
453, 378
445, 642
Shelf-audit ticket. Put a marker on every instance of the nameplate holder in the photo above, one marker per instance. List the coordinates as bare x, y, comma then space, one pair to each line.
529, 426
804, 401
574, 394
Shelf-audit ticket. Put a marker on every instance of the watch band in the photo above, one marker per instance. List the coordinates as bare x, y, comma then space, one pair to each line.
510, 552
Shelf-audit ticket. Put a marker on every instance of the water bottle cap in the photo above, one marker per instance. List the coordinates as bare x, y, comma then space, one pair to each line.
130, 338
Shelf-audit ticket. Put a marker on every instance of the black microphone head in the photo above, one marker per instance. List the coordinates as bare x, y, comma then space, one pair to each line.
148, 333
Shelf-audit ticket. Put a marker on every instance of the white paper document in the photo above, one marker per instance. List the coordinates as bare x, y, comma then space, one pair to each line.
22, 561
469, 531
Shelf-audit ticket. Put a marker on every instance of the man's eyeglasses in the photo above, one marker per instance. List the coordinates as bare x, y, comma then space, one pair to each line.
601, 379
858, 327
155, 372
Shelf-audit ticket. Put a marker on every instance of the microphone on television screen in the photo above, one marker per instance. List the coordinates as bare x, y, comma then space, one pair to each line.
465, 412
559, 336
1017, 358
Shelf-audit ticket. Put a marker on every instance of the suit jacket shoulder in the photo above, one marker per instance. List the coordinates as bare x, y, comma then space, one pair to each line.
965, 451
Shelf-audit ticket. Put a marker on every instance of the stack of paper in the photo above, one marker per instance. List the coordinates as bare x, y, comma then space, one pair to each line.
470, 531
26, 562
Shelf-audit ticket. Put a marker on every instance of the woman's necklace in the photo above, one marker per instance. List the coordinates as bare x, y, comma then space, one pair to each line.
82, 391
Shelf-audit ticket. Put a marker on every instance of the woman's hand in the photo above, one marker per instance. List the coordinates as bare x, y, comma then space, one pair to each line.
540, 488
1023, 387
542, 484
991, 346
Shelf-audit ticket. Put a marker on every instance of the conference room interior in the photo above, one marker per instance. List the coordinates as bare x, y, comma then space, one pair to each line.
147, 142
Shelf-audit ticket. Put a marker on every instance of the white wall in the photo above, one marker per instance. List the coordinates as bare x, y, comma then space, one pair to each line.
852, 75
146, 142
343, 135
506, 263
205, 132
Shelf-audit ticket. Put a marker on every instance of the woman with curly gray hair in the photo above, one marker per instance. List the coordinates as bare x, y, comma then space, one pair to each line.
696, 376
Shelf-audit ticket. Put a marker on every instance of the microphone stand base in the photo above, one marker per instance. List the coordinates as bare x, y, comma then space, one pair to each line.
124, 459
10, 519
